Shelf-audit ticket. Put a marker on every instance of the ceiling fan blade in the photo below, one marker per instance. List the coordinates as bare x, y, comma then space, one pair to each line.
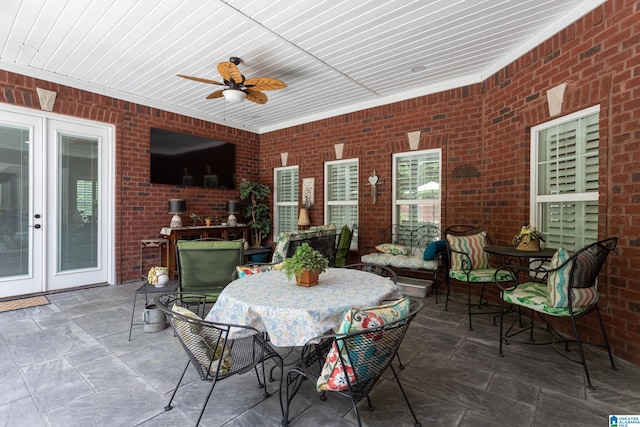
256, 96
229, 71
264, 83
200, 79
216, 94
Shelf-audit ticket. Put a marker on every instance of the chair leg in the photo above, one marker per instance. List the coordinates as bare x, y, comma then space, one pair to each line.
604, 336
469, 305
446, 300
500, 338
294, 381
583, 361
169, 407
406, 399
205, 403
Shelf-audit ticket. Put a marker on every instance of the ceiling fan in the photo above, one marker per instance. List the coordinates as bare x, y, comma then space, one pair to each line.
237, 87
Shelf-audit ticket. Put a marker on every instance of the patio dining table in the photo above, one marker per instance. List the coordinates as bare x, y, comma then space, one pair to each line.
292, 314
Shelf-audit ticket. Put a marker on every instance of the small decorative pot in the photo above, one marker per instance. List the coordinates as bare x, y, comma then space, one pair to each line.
207, 222
307, 278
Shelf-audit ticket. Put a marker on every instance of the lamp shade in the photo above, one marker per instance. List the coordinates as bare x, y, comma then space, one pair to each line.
234, 96
303, 218
177, 206
233, 206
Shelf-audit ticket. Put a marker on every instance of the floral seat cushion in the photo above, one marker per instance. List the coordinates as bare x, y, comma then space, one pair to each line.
535, 296
481, 275
399, 261
334, 375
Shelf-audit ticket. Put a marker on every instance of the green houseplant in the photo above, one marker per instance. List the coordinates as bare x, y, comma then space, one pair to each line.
306, 264
257, 210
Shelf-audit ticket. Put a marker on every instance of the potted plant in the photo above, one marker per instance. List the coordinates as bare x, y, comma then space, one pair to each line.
258, 211
207, 220
306, 264
529, 239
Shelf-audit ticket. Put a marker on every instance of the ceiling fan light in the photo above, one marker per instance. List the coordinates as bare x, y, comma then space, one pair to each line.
234, 96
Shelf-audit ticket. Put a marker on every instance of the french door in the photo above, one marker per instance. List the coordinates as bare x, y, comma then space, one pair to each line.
54, 203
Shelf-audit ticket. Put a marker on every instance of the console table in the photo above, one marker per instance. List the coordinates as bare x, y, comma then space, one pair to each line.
192, 233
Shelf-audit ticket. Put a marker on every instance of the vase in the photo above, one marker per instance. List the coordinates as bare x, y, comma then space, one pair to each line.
207, 222
307, 278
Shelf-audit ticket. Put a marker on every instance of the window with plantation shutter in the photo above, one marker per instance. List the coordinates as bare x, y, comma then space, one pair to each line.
564, 179
285, 200
416, 188
341, 195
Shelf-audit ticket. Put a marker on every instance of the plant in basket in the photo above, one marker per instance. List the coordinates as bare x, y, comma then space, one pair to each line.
529, 239
306, 264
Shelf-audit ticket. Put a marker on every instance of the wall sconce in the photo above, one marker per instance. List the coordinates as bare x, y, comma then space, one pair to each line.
177, 207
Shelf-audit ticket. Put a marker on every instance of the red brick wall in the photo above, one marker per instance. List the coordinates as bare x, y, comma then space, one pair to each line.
141, 207
484, 125
488, 126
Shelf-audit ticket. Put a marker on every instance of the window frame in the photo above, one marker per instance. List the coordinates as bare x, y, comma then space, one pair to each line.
433, 202
276, 205
537, 201
329, 203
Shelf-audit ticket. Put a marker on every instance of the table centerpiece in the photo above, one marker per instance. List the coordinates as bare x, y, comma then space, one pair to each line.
306, 265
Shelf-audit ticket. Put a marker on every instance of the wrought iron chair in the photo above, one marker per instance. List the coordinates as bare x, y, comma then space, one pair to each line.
566, 288
206, 266
469, 263
210, 350
351, 361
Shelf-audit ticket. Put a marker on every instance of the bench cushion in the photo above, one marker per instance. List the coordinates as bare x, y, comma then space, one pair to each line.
400, 261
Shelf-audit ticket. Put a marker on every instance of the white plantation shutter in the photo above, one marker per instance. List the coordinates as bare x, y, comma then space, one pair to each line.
565, 198
416, 193
341, 195
285, 199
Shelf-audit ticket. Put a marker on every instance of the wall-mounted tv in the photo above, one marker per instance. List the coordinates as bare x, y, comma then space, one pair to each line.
189, 160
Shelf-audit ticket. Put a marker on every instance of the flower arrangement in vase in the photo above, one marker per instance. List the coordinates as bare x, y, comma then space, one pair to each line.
306, 265
529, 239
158, 276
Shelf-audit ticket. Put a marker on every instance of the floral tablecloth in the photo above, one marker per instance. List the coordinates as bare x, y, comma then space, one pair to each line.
292, 314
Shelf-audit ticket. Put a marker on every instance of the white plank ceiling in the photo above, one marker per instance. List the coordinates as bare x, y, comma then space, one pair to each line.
336, 56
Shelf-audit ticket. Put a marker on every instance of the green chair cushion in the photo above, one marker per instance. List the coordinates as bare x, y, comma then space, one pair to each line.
343, 246
481, 276
534, 296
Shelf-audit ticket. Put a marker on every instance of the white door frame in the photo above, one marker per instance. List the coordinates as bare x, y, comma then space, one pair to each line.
107, 220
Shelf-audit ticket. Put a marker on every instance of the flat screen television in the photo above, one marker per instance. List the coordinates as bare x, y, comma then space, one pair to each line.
189, 160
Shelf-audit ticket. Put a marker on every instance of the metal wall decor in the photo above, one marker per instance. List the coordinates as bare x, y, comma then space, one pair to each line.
465, 171
374, 181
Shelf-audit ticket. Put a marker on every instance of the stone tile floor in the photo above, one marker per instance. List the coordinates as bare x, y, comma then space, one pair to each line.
70, 364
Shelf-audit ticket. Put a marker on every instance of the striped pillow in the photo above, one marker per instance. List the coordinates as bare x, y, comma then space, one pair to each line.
584, 291
473, 246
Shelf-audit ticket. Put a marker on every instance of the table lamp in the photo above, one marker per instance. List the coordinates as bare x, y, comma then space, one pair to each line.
303, 218
177, 207
233, 207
